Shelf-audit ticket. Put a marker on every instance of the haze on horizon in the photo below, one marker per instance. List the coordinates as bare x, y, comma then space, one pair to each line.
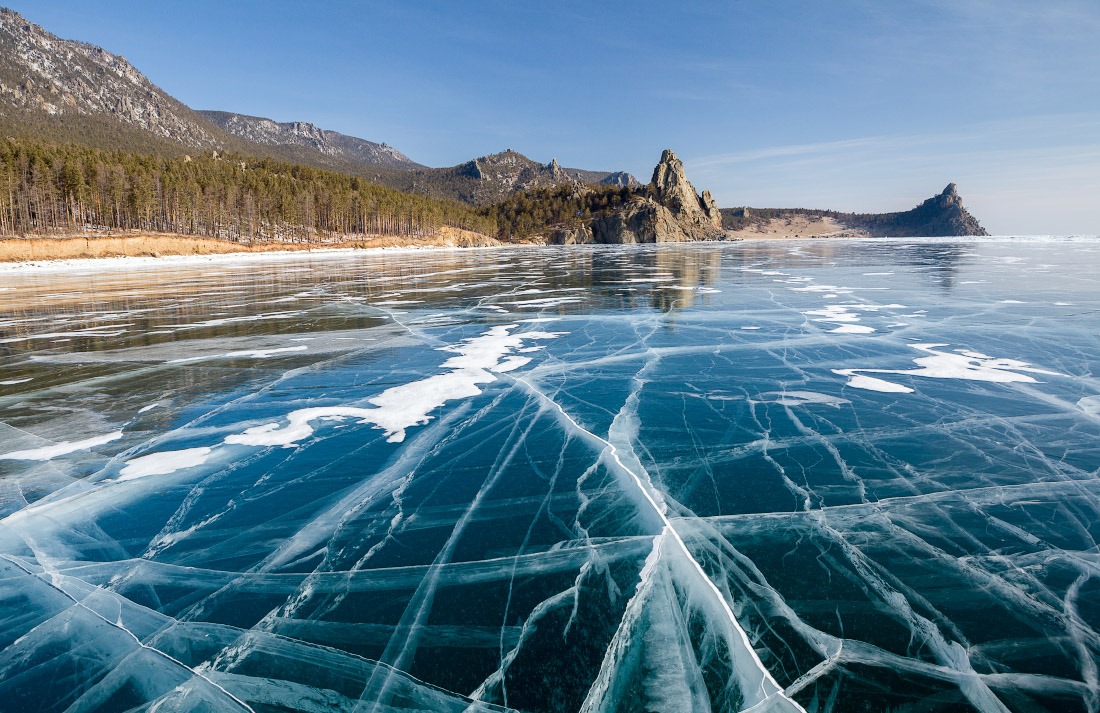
856, 106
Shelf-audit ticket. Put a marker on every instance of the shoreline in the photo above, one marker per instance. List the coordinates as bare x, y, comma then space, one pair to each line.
271, 252
58, 252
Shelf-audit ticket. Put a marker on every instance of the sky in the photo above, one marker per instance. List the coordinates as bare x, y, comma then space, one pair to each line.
854, 105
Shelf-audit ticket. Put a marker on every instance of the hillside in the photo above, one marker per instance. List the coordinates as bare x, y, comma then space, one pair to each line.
267, 132
60, 189
72, 90
941, 215
489, 179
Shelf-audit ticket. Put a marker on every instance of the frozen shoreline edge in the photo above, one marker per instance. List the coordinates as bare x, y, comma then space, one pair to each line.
164, 261
146, 261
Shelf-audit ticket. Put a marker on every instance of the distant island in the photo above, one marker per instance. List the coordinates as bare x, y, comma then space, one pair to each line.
91, 151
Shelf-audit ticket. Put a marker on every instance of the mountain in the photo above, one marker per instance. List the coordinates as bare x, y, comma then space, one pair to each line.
299, 133
489, 179
74, 90
941, 215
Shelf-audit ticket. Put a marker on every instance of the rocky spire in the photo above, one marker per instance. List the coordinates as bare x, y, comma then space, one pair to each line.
555, 169
671, 188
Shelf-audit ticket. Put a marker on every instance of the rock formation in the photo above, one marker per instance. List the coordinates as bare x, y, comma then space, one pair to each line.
671, 188
943, 214
667, 210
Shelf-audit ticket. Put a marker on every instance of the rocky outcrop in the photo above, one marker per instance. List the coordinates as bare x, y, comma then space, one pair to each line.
620, 179
667, 210
303, 134
940, 215
671, 188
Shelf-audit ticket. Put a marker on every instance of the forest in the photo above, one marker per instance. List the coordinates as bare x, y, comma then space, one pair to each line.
62, 189
529, 213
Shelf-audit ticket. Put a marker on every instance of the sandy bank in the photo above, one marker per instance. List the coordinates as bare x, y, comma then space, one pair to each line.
796, 227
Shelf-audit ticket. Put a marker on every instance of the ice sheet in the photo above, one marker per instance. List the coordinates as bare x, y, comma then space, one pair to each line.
674, 500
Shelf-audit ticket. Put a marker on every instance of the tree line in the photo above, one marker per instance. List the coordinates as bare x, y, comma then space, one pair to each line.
538, 212
54, 189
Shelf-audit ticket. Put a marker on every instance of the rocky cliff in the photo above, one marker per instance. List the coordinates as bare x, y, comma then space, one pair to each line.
59, 82
303, 134
666, 210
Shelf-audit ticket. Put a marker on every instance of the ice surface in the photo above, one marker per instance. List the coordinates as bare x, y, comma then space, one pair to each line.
825, 476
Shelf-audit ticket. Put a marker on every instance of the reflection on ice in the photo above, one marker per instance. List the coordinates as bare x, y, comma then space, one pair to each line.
670, 502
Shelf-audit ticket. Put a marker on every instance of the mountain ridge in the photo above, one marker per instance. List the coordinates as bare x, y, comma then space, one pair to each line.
262, 130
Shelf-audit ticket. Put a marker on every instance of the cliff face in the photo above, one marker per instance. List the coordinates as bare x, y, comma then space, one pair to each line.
667, 210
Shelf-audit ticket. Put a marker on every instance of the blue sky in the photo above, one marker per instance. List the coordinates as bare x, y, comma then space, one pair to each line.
862, 105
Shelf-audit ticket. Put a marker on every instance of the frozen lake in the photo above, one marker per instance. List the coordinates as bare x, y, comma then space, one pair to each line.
827, 476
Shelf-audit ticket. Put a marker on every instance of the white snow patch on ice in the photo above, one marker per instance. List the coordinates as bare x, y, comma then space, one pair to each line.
852, 329
163, 463
967, 366
870, 383
60, 449
477, 362
13, 382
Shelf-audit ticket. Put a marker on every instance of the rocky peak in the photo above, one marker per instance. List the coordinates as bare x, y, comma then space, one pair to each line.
668, 210
620, 179
671, 188
942, 214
